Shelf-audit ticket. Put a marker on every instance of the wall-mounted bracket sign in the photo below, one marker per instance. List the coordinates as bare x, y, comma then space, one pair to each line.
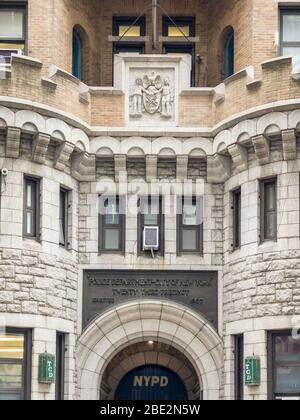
46, 368
252, 371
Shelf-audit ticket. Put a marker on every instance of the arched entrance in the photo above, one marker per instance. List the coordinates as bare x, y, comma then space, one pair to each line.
150, 369
144, 321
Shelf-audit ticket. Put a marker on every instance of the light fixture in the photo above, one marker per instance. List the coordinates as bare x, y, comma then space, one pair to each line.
150, 342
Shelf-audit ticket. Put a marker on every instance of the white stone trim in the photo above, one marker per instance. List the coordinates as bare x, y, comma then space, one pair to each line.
143, 320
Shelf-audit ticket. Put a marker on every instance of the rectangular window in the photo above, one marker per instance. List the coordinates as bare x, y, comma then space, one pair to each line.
129, 26
180, 27
112, 224
63, 217
236, 213
31, 219
15, 364
190, 225
151, 215
60, 367
239, 367
125, 27
12, 31
290, 31
268, 210
284, 365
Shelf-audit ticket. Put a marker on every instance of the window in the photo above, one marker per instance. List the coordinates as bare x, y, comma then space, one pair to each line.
284, 365
12, 31
15, 364
112, 224
290, 32
129, 26
239, 367
190, 225
60, 367
229, 54
63, 217
31, 222
179, 26
184, 28
236, 213
150, 214
77, 55
268, 210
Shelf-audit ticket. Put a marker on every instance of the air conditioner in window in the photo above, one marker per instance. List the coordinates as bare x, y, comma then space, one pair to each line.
5, 56
151, 238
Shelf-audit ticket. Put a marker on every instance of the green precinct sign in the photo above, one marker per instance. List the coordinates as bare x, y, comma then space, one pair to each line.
46, 368
252, 371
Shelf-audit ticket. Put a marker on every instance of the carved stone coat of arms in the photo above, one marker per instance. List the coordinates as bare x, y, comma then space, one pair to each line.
152, 94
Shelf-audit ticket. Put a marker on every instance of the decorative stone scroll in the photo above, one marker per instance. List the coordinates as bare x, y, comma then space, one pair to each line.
152, 85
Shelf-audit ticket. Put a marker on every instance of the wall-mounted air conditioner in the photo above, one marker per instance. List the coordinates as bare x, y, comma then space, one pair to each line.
151, 238
5, 56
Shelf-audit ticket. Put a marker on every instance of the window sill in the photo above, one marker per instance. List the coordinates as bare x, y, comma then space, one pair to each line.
133, 39
179, 39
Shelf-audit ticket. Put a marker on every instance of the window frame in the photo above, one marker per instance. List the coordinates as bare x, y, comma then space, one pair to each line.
236, 219
37, 199
17, 6
119, 20
292, 10
272, 363
229, 64
262, 184
141, 225
239, 367
181, 47
180, 21
60, 366
26, 361
77, 71
197, 228
65, 216
121, 227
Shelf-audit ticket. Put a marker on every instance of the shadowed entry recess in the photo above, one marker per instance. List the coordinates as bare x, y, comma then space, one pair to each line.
150, 370
151, 382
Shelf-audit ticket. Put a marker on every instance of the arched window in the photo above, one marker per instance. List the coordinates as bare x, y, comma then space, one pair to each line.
77, 55
229, 53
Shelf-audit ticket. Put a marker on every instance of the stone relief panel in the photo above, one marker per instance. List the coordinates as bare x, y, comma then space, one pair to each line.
152, 95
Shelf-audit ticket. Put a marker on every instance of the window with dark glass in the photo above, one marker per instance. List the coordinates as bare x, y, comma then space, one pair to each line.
290, 31
31, 218
150, 215
236, 213
268, 210
229, 54
63, 217
112, 224
15, 364
77, 55
12, 31
239, 367
284, 365
190, 225
126, 27
60, 366
181, 29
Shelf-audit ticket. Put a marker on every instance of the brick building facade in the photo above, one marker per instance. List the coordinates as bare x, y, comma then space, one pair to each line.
100, 110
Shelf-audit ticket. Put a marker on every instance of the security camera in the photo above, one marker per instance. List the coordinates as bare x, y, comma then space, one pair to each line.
4, 171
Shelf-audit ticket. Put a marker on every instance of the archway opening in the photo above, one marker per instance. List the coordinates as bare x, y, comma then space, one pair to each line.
150, 370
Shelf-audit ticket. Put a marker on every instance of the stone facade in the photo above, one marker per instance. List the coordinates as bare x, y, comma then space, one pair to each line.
84, 137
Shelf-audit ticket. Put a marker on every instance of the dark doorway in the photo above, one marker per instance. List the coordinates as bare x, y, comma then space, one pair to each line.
151, 382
